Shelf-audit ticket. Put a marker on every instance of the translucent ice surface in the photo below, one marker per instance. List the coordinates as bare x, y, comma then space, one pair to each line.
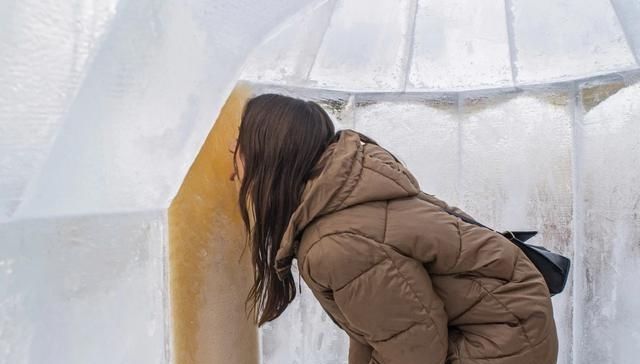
103, 108
607, 326
523, 113
450, 45
429, 133
290, 51
86, 289
374, 57
446, 57
560, 40
133, 126
45, 52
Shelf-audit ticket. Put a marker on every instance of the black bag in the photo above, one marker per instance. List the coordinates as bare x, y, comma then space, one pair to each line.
553, 266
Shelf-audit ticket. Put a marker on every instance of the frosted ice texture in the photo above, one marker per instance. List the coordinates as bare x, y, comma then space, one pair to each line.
628, 12
45, 52
146, 102
560, 40
364, 49
86, 289
445, 57
291, 48
103, 106
452, 45
607, 283
422, 134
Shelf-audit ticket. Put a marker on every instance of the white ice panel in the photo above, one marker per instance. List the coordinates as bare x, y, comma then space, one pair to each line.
421, 134
460, 44
45, 51
559, 40
147, 104
364, 47
516, 175
607, 325
81, 290
629, 14
287, 55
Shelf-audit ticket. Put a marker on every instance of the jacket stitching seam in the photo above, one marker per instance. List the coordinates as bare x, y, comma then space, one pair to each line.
382, 174
399, 332
358, 179
490, 293
513, 270
471, 307
386, 218
415, 296
359, 275
313, 244
455, 261
519, 352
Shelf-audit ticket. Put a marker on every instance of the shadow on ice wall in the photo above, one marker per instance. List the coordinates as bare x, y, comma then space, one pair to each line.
208, 277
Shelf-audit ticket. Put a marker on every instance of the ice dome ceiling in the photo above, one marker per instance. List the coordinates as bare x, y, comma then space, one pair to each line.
448, 45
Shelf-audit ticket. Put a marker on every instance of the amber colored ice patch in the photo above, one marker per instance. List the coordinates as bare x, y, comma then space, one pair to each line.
208, 277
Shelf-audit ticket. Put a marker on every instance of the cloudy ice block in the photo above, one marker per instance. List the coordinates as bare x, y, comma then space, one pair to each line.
445, 57
562, 40
375, 54
84, 289
607, 327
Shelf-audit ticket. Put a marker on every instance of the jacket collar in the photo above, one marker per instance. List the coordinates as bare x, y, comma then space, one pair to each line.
352, 172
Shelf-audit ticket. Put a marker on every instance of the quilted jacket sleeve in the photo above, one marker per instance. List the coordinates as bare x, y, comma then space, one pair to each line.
382, 296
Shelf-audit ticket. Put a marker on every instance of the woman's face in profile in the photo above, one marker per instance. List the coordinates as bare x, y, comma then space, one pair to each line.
239, 163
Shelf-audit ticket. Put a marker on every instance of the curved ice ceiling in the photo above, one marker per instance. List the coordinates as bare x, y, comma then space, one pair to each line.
448, 45
94, 90
525, 113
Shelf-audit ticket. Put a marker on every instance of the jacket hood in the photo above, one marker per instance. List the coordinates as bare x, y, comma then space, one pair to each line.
353, 172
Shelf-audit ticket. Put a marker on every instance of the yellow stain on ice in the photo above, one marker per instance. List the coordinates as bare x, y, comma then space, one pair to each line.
208, 281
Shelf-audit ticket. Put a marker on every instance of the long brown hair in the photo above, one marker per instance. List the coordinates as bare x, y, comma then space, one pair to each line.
280, 141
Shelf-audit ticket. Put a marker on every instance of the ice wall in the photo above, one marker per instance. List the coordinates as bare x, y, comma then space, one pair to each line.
525, 114
104, 106
209, 277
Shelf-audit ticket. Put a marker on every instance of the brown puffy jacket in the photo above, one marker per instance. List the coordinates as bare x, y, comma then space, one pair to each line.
408, 282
